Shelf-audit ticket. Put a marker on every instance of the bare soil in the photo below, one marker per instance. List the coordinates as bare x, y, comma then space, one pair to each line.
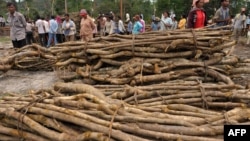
20, 81
16, 81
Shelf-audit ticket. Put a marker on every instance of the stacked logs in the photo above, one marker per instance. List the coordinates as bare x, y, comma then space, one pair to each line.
141, 59
172, 85
87, 114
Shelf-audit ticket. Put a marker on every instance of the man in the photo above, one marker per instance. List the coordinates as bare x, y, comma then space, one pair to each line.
29, 32
166, 22
87, 26
41, 31
53, 26
239, 24
222, 15
46, 28
2, 22
248, 22
121, 28
17, 26
69, 28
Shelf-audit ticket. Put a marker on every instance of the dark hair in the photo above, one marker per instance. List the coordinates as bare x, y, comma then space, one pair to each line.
10, 4
222, 1
52, 17
119, 17
197, 1
66, 14
167, 13
184, 16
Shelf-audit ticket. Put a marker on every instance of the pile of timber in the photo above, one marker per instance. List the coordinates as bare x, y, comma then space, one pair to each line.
88, 114
173, 85
137, 59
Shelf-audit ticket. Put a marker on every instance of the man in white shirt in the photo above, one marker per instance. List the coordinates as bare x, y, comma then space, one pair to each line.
29, 33
239, 24
46, 26
41, 31
2, 22
121, 28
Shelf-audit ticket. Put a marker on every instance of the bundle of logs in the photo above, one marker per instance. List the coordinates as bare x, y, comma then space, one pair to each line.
173, 85
142, 59
161, 112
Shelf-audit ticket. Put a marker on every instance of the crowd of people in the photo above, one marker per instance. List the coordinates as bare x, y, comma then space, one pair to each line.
50, 31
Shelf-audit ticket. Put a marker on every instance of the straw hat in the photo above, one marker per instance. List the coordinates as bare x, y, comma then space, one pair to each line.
157, 19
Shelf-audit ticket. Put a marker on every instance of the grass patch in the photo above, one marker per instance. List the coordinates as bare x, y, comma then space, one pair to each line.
4, 39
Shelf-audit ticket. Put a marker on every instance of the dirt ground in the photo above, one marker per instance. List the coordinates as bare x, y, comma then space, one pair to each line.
15, 81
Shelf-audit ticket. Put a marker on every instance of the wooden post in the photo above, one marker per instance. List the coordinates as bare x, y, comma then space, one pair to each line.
121, 9
52, 7
66, 6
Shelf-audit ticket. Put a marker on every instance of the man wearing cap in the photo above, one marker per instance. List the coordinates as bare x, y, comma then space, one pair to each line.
239, 24
87, 26
155, 25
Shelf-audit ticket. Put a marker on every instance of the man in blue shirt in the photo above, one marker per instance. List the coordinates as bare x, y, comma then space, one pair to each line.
53, 25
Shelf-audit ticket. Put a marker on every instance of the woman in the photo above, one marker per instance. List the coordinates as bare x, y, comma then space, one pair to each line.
137, 25
197, 17
182, 22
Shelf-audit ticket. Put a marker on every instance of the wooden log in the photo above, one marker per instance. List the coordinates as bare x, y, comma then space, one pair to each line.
60, 127
8, 138
192, 131
78, 88
35, 126
14, 134
185, 54
98, 136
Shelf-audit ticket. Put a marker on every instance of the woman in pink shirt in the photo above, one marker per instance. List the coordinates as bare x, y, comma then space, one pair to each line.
143, 24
